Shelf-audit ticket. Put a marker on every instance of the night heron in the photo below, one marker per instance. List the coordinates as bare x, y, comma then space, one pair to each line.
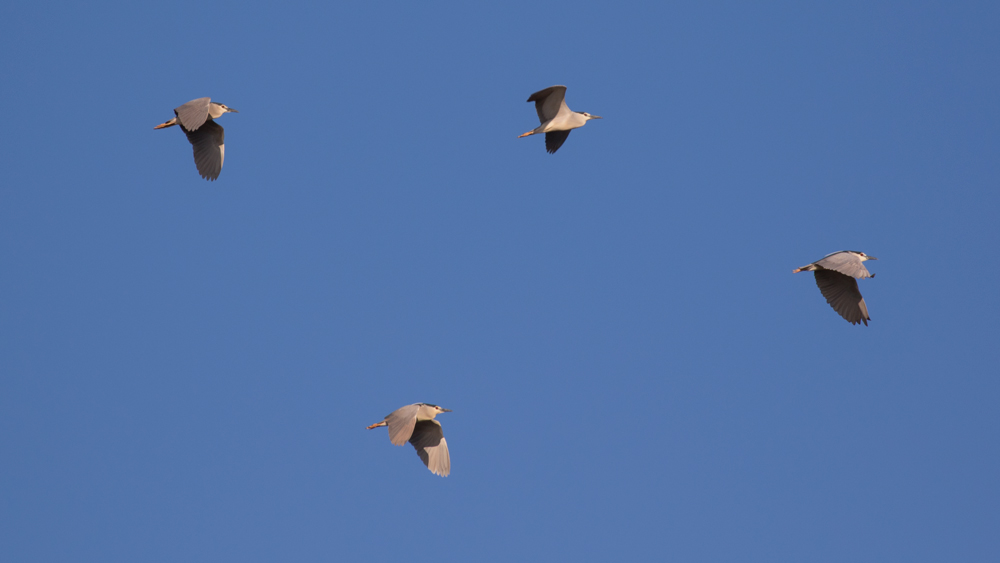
415, 424
196, 120
835, 276
557, 119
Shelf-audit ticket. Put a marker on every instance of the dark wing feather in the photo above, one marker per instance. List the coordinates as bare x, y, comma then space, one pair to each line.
554, 140
428, 440
842, 293
209, 148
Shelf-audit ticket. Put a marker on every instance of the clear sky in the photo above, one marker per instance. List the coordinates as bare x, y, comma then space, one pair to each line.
187, 368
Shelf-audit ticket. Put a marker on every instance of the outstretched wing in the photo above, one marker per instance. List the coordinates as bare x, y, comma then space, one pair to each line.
549, 102
842, 293
209, 148
846, 263
554, 140
400, 422
193, 114
428, 440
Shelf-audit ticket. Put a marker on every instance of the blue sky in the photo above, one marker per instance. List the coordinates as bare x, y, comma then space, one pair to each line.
187, 368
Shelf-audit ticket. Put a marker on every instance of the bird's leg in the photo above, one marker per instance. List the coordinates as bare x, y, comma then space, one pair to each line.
376, 425
170, 123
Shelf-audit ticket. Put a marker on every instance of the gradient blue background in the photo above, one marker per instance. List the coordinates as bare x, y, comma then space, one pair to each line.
187, 368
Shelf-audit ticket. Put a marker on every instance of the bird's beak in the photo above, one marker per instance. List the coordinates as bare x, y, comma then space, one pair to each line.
233, 110
872, 258
445, 410
596, 117
167, 124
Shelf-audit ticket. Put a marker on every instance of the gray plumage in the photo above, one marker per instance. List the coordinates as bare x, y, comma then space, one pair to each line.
193, 114
836, 276
196, 119
415, 424
549, 102
556, 117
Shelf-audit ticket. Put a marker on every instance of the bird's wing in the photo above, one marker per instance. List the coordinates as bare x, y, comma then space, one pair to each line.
401, 423
549, 102
554, 140
193, 114
842, 293
209, 149
428, 440
846, 263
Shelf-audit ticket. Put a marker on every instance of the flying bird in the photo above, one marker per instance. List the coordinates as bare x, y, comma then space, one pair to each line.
415, 424
196, 119
835, 276
557, 119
